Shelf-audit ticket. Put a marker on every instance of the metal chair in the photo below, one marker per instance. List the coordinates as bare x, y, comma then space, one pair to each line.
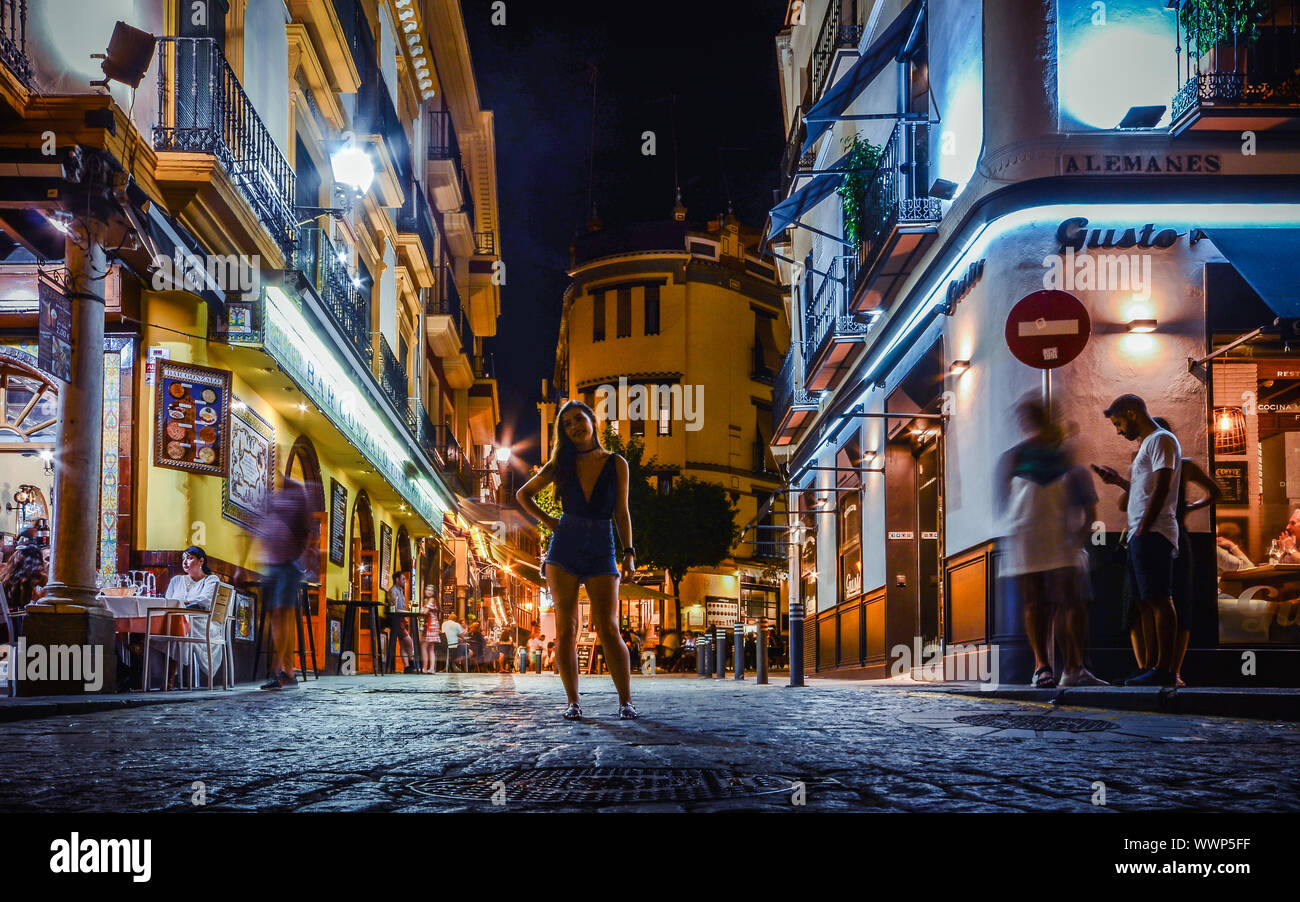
218, 615
11, 621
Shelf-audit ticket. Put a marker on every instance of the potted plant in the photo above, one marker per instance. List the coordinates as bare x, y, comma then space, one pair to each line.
860, 197
1221, 31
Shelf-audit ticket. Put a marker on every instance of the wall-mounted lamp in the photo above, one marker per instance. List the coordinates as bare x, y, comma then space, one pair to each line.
1140, 326
127, 59
958, 367
943, 189
47, 459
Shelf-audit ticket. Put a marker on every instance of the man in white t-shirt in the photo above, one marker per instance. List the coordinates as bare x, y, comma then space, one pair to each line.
1153, 529
452, 630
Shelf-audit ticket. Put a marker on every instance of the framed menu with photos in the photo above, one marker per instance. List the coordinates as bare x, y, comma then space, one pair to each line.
192, 418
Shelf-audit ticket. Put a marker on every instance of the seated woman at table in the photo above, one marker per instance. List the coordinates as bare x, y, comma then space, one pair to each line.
1227, 546
23, 576
196, 587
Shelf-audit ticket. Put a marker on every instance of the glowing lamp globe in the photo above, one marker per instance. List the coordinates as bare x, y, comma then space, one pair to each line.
352, 167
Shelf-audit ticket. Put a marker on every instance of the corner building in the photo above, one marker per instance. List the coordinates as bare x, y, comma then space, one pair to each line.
1010, 138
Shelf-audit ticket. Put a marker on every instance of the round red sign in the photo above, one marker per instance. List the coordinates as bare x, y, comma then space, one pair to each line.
1048, 329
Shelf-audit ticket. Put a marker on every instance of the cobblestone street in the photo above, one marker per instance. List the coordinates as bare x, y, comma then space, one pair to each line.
497, 743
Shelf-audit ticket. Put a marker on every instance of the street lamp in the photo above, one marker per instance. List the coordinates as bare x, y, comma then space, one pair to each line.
352, 166
503, 455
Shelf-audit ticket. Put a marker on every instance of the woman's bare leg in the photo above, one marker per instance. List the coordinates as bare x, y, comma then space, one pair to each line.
604, 616
564, 592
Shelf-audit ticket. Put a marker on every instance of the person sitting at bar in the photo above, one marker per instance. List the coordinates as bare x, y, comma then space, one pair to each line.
1227, 545
196, 587
1286, 544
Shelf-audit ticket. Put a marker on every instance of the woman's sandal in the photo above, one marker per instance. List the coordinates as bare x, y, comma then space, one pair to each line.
573, 712
1043, 678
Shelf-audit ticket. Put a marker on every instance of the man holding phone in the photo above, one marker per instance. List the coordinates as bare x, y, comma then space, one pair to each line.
1153, 527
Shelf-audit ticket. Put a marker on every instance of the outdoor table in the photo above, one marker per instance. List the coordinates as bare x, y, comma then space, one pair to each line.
130, 611
414, 618
1267, 573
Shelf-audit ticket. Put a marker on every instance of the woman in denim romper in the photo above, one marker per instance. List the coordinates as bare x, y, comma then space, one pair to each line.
591, 484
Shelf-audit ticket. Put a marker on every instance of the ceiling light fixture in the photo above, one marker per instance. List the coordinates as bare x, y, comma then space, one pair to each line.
1140, 326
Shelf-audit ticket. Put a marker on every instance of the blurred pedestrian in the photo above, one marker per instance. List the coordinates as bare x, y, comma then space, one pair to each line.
1049, 505
429, 638
284, 539
1153, 532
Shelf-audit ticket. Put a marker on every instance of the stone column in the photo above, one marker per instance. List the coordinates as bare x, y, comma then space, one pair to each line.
70, 614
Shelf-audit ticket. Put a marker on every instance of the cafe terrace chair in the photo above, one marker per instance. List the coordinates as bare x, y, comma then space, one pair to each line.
10, 621
219, 614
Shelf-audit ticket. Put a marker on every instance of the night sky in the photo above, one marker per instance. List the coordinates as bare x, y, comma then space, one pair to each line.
717, 56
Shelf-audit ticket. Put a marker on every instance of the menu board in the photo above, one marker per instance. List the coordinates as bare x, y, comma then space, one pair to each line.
338, 520
192, 422
252, 466
588, 661
385, 556
1231, 478
54, 332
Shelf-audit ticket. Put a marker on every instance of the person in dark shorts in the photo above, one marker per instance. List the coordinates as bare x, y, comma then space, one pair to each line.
284, 539
591, 484
1153, 532
1184, 563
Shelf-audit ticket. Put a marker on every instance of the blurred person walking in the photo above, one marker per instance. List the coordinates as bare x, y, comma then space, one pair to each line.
284, 539
1152, 507
1049, 505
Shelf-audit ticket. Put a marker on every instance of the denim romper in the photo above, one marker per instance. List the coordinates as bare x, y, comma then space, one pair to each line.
583, 541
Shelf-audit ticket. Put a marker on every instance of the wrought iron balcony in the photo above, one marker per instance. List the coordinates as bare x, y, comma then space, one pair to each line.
13, 39
391, 374
376, 115
451, 460
792, 404
485, 244
830, 330
202, 108
898, 217
442, 144
349, 307
445, 323
421, 426
837, 31
1236, 66
415, 218
452, 189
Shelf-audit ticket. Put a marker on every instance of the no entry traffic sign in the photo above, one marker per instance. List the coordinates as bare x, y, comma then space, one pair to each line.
1048, 329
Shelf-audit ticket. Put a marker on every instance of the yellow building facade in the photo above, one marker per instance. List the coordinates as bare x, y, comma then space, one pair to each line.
346, 338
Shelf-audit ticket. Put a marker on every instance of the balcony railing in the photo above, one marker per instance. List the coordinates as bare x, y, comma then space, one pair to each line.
827, 316
443, 144
484, 366
833, 34
415, 218
348, 306
451, 460
1228, 60
791, 402
897, 194
391, 374
792, 159
202, 108
13, 39
376, 115
485, 244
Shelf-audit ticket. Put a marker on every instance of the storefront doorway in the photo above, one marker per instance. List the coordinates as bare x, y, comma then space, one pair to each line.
363, 567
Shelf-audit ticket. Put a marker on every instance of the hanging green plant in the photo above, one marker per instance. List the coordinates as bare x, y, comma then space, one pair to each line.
859, 193
1209, 23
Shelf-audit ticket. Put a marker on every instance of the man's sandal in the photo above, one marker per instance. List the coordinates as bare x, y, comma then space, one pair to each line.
1043, 678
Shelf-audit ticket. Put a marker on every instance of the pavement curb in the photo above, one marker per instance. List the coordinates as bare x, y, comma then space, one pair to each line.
1255, 704
16, 709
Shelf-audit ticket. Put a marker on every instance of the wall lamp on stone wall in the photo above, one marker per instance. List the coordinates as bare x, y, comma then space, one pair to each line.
1141, 326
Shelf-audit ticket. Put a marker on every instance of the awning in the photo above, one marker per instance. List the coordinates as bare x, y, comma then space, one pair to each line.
810, 195
1267, 260
892, 45
163, 238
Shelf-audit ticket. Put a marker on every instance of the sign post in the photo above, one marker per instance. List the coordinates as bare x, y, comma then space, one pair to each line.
1048, 329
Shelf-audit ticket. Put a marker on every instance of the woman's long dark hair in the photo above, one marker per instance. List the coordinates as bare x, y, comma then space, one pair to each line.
564, 459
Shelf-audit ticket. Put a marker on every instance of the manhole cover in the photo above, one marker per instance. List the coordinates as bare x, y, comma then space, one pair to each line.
1036, 722
602, 785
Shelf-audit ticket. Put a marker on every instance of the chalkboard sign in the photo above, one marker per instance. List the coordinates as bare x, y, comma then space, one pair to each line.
1231, 477
385, 556
586, 657
338, 520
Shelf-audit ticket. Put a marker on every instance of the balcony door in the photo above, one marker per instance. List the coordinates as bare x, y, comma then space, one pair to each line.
197, 79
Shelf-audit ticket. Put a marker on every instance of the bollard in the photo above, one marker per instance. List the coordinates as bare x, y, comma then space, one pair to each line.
796, 643
738, 649
701, 656
720, 653
760, 643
